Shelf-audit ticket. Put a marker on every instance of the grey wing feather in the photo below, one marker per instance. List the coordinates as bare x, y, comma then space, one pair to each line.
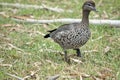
64, 29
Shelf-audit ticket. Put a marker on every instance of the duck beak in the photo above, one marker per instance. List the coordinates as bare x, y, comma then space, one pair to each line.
94, 9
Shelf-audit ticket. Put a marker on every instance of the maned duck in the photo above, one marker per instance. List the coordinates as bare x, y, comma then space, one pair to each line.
74, 35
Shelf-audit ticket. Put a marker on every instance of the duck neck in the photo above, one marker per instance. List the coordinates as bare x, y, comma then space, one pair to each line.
85, 18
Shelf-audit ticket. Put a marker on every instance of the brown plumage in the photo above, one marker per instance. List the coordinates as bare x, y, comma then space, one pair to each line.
74, 35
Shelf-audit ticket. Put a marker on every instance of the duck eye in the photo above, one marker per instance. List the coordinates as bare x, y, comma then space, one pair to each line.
89, 4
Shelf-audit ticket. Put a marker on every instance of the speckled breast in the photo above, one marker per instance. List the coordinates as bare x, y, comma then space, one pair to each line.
73, 39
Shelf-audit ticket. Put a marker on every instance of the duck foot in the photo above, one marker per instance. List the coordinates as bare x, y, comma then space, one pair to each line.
78, 52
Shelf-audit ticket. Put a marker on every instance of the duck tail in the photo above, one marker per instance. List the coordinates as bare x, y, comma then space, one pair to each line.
47, 36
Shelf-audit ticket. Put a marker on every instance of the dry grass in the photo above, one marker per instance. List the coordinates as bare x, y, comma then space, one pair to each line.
25, 54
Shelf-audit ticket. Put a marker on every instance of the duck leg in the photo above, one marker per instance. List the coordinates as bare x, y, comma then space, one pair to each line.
65, 56
78, 52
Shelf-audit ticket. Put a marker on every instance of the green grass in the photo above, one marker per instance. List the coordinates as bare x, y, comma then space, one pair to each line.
23, 46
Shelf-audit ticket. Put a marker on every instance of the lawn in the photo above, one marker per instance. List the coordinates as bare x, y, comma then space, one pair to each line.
24, 53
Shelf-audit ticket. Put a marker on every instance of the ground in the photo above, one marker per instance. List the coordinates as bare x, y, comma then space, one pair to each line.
24, 51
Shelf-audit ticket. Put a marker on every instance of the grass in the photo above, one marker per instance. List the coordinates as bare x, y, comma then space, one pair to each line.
23, 49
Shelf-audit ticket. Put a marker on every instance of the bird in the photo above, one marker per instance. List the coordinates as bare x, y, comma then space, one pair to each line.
74, 35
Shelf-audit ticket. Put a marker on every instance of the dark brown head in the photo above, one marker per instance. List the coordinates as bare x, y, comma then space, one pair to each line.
89, 6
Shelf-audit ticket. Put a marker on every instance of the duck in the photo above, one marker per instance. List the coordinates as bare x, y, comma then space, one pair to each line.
74, 35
